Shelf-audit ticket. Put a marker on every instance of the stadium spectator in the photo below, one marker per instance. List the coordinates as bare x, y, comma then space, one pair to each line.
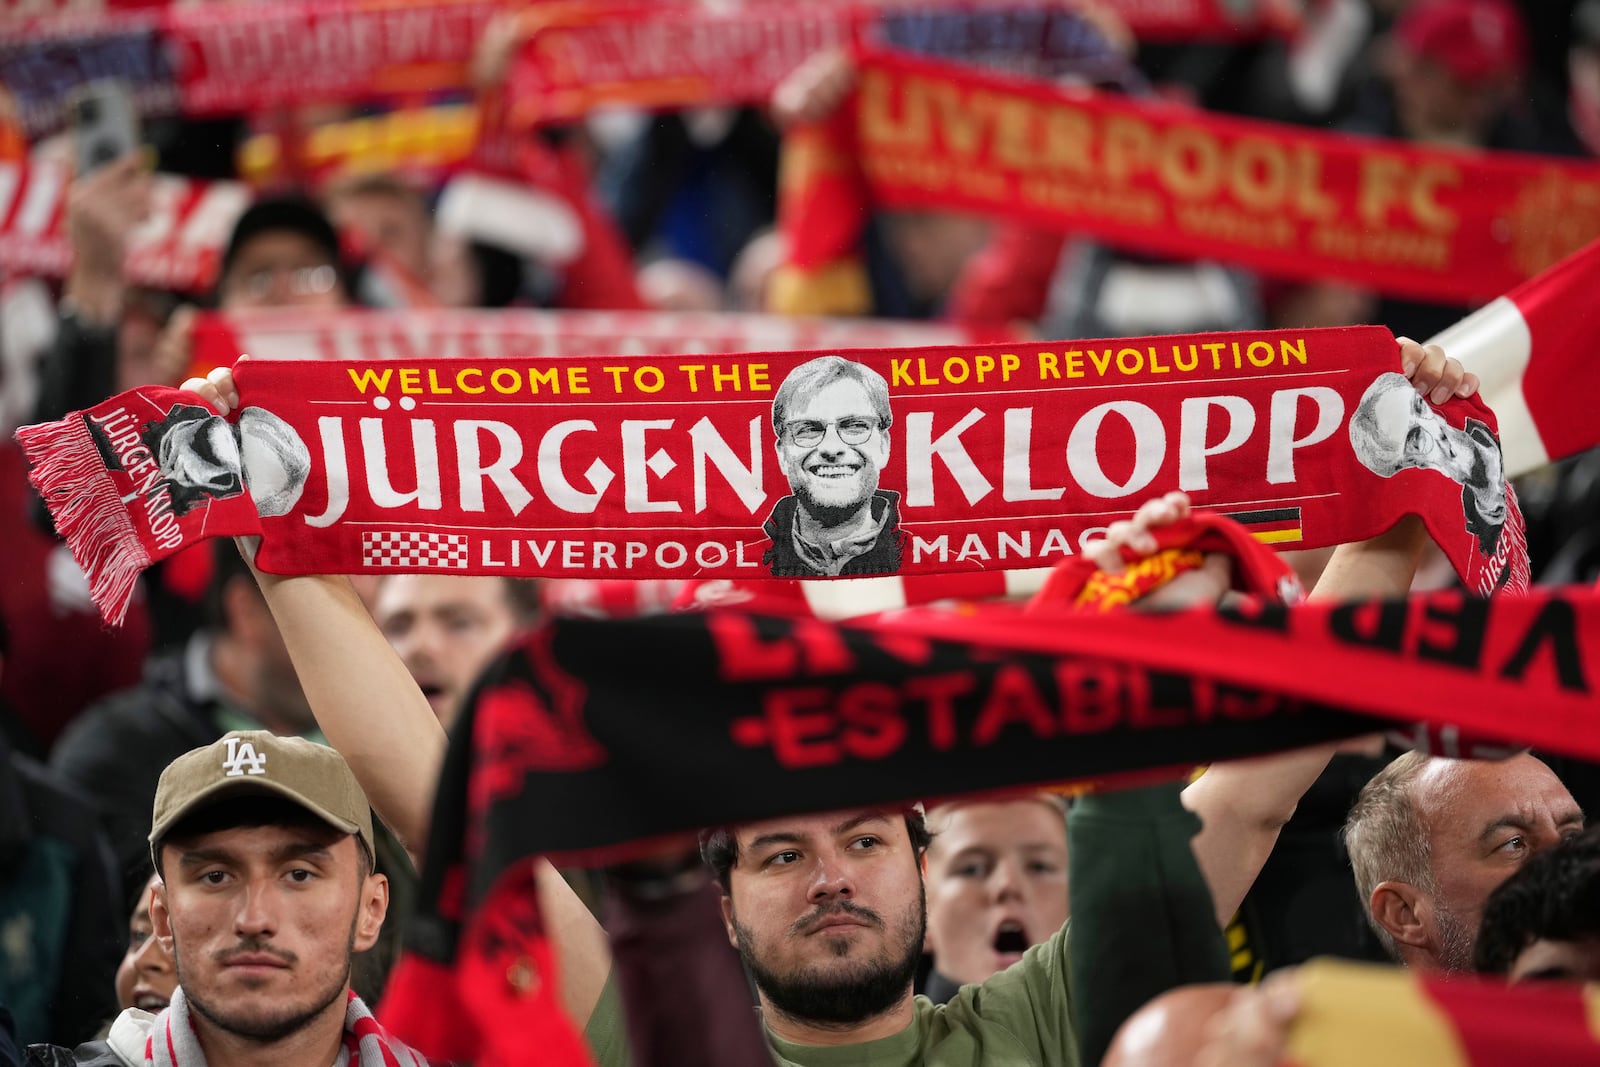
263, 848
1430, 838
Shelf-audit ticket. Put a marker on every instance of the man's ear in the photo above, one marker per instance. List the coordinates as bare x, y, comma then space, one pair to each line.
727, 920
160, 917
374, 908
1404, 911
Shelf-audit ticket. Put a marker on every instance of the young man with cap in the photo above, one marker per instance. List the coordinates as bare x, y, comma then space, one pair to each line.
263, 846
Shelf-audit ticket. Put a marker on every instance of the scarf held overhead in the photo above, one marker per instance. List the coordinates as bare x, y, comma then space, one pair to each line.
209, 59
724, 717
965, 458
1433, 224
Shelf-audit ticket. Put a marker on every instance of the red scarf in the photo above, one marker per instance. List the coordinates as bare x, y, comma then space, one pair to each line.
987, 458
1170, 180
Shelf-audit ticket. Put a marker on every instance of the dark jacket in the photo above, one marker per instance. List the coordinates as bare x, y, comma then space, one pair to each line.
60, 906
116, 750
93, 1054
882, 558
1143, 921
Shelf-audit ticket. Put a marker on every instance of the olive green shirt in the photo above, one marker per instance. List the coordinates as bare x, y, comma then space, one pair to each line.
1021, 1017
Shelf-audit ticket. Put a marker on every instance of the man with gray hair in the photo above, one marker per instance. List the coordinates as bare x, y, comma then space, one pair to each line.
1430, 838
831, 419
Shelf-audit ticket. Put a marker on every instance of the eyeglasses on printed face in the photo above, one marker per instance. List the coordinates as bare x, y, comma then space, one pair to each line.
303, 281
853, 430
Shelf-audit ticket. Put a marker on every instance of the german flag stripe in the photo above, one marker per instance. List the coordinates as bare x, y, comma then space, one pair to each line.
1270, 526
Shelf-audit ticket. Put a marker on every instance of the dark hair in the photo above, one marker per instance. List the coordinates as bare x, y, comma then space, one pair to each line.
282, 214
523, 596
1555, 896
719, 845
819, 373
251, 810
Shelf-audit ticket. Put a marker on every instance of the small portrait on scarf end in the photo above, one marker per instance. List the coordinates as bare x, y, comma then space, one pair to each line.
831, 422
204, 458
1394, 428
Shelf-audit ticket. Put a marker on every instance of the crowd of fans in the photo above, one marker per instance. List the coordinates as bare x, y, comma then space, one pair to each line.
116, 841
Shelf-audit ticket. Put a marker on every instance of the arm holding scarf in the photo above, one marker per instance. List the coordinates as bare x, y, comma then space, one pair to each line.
1244, 805
373, 714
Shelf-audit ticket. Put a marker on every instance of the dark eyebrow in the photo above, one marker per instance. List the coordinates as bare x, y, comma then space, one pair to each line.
1573, 816
1505, 822
778, 837
199, 857
856, 821
790, 837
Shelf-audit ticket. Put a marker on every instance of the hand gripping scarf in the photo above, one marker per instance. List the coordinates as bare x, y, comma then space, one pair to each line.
964, 460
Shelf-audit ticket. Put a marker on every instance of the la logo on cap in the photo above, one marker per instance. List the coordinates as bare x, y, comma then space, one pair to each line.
242, 755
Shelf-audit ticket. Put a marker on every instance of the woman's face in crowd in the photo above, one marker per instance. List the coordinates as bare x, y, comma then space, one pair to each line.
997, 883
146, 977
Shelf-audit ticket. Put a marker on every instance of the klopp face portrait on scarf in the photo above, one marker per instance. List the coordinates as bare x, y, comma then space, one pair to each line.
203, 458
1395, 429
831, 418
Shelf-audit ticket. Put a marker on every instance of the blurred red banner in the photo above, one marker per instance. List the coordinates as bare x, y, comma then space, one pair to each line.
1435, 224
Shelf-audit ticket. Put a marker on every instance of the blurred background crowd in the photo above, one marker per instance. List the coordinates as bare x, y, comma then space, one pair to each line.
370, 205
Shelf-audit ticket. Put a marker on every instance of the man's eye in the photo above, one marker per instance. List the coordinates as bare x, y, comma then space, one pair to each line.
214, 877
783, 859
301, 875
972, 870
864, 843
1515, 844
1042, 867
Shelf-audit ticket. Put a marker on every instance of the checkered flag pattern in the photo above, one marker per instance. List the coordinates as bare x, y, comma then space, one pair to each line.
411, 549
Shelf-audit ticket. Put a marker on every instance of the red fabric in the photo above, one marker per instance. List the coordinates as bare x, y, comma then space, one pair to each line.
1428, 223
1476, 40
360, 334
1009, 280
1257, 569
61, 657
1562, 319
230, 58
423, 465
179, 248
822, 195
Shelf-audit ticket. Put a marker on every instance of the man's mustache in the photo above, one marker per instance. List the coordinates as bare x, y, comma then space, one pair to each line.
255, 948
806, 923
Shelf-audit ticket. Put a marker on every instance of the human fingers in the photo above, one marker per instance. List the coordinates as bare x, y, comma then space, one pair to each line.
1163, 510
1423, 364
222, 378
206, 390
1106, 552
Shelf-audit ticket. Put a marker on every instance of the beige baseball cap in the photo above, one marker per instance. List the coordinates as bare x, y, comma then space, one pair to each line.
257, 762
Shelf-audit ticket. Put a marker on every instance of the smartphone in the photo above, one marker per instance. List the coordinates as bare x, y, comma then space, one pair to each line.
105, 125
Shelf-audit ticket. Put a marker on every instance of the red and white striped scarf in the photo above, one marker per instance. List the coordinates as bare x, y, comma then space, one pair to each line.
172, 1041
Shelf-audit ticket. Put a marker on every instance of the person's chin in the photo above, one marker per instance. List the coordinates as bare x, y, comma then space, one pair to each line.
835, 493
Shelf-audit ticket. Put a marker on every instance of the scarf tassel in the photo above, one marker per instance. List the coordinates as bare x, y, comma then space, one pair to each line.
71, 476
